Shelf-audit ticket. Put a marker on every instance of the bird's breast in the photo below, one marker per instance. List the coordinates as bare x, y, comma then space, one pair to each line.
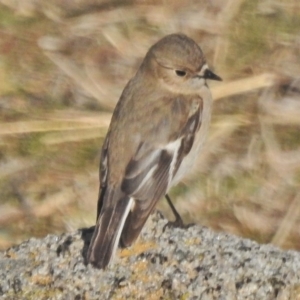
188, 163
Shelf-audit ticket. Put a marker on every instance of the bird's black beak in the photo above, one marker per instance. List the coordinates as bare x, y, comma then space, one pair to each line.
208, 74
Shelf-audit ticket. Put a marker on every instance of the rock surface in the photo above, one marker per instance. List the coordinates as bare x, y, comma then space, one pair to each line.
166, 263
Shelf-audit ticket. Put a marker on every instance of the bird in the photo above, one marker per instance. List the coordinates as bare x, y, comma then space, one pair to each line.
157, 130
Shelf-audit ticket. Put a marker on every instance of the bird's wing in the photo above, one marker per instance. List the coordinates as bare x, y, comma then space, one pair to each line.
152, 168
103, 173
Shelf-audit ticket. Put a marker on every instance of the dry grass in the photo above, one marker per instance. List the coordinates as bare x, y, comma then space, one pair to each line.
63, 66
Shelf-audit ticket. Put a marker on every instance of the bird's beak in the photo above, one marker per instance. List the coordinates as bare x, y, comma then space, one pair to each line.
208, 74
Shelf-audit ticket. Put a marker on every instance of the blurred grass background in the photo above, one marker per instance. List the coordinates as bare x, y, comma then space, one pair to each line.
63, 65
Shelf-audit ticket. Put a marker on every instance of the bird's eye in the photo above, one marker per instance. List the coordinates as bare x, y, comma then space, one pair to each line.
180, 73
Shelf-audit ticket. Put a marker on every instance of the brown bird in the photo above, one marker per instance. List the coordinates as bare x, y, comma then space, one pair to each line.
156, 132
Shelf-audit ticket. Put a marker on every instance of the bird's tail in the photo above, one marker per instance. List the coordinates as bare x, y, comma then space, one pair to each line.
114, 211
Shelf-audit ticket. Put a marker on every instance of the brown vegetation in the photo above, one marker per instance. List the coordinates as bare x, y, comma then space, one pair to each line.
63, 65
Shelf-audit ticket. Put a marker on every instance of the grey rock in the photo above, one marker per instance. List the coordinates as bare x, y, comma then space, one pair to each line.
166, 263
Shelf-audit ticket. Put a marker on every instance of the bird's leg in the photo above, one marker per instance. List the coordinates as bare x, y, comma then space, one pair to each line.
178, 220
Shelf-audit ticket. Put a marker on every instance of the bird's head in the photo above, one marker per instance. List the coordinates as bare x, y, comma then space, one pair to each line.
179, 64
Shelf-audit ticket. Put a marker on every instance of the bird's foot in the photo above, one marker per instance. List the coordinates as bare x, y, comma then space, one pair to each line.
178, 223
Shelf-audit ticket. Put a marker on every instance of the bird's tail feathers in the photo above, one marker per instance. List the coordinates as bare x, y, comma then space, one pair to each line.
108, 228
